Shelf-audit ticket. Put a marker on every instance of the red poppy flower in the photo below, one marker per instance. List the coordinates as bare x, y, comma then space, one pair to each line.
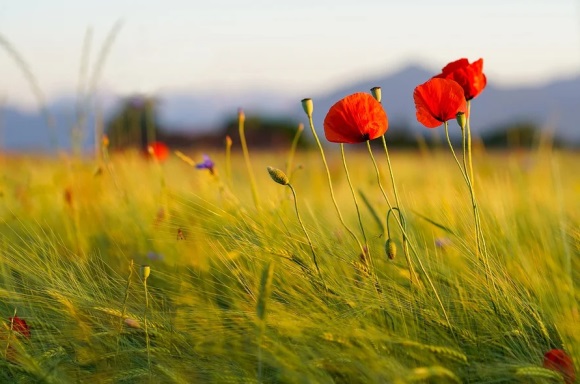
558, 360
469, 76
437, 101
19, 325
354, 119
158, 150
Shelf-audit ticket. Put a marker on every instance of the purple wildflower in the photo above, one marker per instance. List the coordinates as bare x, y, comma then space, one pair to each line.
154, 256
207, 163
442, 242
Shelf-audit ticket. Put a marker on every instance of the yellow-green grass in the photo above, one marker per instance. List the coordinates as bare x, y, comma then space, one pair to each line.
70, 229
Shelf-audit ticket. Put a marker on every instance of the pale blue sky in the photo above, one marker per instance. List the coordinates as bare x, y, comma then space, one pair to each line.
300, 47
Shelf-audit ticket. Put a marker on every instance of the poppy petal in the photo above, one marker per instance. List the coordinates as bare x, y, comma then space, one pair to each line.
424, 115
159, 150
19, 325
438, 100
469, 76
558, 360
355, 119
453, 66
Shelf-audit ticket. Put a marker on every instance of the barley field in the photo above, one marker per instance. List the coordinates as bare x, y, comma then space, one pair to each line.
126, 269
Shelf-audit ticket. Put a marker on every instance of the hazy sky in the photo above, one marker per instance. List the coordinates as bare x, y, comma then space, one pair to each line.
299, 46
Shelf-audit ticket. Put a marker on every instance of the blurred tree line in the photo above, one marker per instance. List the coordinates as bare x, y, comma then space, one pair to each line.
136, 123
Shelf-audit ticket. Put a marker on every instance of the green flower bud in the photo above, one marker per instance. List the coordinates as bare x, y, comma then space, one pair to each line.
377, 94
461, 119
391, 248
278, 176
146, 270
308, 106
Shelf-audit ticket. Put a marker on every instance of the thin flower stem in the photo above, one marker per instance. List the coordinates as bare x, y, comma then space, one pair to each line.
468, 127
463, 172
248, 162
124, 306
468, 182
293, 149
330, 186
464, 149
229, 161
355, 202
472, 189
397, 201
412, 273
389, 215
481, 251
472, 177
145, 324
10, 334
305, 232
366, 253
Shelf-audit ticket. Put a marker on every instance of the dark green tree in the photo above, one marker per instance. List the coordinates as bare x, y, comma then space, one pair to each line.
135, 123
523, 134
265, 131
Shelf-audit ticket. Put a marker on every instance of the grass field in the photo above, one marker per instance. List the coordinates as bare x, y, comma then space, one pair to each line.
233, 295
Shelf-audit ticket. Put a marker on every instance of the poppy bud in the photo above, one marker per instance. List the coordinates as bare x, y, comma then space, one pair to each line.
391, 248
146, 270
228, 141
278, 176
241, 115
461, 119
377, 94
308, 106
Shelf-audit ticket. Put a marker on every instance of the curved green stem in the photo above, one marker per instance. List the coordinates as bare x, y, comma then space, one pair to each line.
401, 218
468, 128
305, 232
463, 172
481, 251
355, 203
395, 193
330, 185
147, 343
248, 162
412, 273
293, 149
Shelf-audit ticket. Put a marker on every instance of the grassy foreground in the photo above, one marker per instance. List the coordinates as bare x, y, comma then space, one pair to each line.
233, 295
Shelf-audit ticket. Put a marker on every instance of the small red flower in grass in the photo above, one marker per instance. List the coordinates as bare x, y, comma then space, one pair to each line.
355, 119
469, 76
158, 150
437, 101
558, 360
19, 325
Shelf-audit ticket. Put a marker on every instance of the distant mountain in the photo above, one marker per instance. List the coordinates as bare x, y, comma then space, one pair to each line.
554, 105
